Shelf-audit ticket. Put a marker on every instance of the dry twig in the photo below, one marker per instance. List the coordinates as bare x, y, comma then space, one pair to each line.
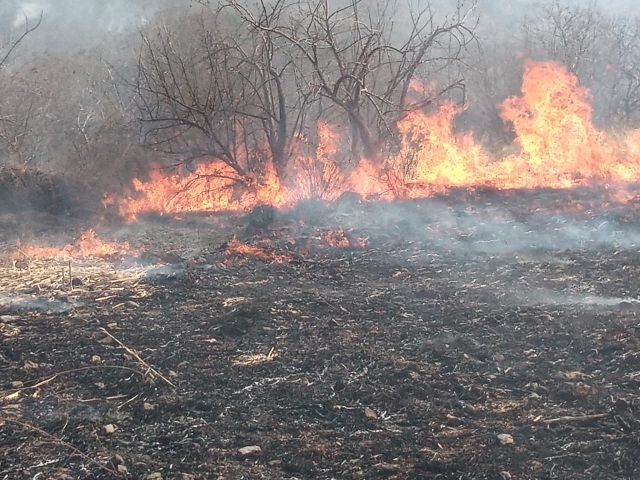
138, 358
580, 418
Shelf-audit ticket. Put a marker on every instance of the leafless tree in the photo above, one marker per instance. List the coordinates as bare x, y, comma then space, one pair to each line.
188, 91
16, 108
363, 58
8, 46
564, 32
604, 53
207, 90
623, 73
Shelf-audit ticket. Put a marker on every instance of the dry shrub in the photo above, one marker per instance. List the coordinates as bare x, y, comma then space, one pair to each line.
31, 190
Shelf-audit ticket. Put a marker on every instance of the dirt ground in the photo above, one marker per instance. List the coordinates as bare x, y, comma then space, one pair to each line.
473, 352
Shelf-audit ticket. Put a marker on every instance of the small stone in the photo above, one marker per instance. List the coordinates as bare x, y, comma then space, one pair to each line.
148, 407
17, 384
506, 475
109, 429
154, 476
100, 385
369, 413
505, 439
29, 365
249, 451
132, 304
499, 358
122, 469
96, 359
534, 395
333, 323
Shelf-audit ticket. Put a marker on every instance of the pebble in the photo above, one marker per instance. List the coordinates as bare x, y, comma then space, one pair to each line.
249, 450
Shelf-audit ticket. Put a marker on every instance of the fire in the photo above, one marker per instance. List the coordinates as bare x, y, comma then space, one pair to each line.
338, 238
559, 147
87, 245
237, 248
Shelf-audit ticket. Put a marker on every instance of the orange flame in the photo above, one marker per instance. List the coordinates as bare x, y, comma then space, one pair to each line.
552, 121
236, 247
338, 238
87, 245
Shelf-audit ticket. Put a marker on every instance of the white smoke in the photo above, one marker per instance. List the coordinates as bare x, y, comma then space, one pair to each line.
29, 12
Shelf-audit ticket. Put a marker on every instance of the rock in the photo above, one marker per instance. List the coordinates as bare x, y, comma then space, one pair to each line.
505, 475
369, 413
96, 359
17, 384
148, 407
505, 439
109, 429
122, 469
105, 340
333, 324
29, 365
249, 451
154, 476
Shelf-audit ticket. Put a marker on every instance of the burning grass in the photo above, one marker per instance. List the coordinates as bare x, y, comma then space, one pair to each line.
88, 244
559, 147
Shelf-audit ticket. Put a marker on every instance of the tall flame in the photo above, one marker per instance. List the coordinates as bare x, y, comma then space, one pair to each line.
552, 120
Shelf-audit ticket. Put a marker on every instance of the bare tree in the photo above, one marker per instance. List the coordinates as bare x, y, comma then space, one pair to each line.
363, 58
9, 46
602, 52
623, 73
189, 93
567, 33
16, 106
207, 90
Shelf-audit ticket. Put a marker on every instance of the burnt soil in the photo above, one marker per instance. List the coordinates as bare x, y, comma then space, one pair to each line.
409, 358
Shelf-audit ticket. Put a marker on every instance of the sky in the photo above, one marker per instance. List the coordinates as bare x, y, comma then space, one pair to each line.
76, 24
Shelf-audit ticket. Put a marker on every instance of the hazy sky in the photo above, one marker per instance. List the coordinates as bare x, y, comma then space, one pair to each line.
79, 23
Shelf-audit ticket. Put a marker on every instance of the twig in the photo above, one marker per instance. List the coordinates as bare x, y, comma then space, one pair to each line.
581, 418
44, 380
137, 357
61, 442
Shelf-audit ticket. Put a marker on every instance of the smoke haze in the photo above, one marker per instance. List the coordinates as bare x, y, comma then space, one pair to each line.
77, 24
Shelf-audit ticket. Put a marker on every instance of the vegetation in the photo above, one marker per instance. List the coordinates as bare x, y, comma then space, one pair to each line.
250, 83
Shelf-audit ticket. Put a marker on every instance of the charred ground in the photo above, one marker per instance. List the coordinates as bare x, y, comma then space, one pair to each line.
461, 320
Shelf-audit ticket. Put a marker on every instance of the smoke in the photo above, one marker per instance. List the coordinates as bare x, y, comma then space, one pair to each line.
76, 24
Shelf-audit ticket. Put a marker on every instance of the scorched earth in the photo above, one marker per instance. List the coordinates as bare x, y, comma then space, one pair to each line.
489, 335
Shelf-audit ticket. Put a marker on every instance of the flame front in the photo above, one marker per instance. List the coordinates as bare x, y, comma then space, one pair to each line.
87, 245
559, 147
